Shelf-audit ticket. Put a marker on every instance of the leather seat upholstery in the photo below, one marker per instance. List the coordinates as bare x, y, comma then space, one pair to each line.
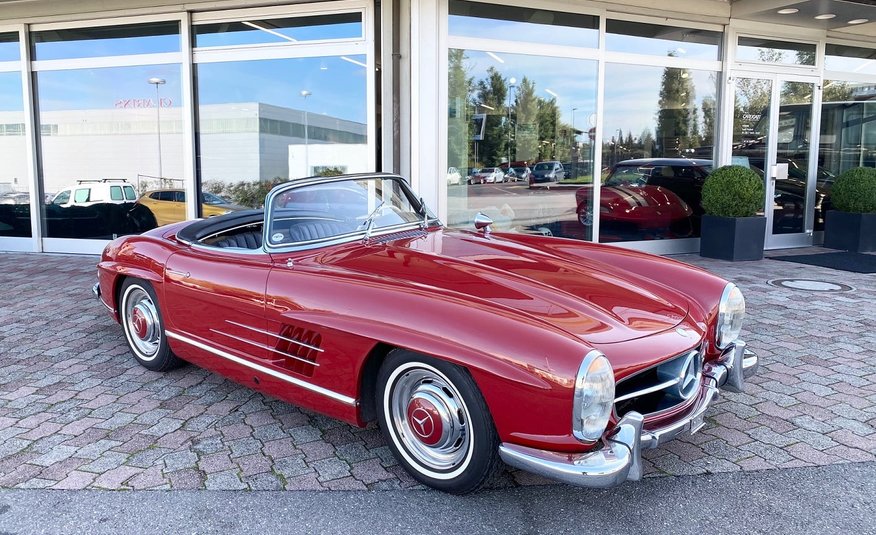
317, 230
245, 240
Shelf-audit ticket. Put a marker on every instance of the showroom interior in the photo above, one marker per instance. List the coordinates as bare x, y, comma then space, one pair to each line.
117, 116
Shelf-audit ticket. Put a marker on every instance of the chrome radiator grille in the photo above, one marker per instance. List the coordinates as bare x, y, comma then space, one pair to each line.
661, 387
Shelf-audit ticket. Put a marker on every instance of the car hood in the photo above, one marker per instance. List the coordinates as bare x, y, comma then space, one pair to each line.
633, 197
589, 299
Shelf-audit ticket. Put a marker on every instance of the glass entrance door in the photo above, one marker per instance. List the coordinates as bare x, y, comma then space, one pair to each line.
772, 134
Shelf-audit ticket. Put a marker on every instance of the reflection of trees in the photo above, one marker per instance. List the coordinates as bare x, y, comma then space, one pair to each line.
677, 116
492, 92
459, 87
526, 124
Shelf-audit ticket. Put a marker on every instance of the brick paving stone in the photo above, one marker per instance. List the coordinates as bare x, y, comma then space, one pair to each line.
264, 481
180, 460
107, 461
186, 479
215, 462
251, 465
227, 480
369, 471
115, 478
292, 467
75, 480
151, 478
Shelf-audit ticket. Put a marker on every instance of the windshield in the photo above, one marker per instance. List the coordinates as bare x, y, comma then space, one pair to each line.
333, 210
543, 167
211, 198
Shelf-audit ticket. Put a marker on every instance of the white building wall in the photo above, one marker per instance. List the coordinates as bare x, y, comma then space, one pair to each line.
350, 158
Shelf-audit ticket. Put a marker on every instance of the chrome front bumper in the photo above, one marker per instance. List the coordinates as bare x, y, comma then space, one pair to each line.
620, 457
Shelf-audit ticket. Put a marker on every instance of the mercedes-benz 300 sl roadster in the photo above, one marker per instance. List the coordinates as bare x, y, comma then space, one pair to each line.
347, 296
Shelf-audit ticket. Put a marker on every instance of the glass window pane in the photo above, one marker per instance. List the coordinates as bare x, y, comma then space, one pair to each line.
493, 21
116, 193
848, 132
106, 41
519, 140
657, 40
850, 59
108, 123
262, 122
9, 50
657, 146
288, 30
770, 51
14, 182
130, 194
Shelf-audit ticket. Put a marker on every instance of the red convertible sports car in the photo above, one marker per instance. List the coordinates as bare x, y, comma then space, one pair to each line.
348, 297
631, 198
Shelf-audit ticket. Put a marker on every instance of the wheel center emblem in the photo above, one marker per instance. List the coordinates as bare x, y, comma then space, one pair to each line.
423, 426
140, 325
425, 421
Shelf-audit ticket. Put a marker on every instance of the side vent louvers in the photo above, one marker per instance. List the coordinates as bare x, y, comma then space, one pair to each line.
305, 345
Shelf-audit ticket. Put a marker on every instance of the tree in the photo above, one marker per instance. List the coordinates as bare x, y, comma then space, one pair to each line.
548, 114
492, 92
677, 118
708, 135
458, 115
526, 122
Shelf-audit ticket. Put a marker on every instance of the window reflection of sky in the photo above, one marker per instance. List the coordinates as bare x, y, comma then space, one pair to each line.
110, 41
851, 65
9, 50
86, 89
337, 87
521, 31
660, 47
573, 80
10, 92
632, 95
256, 32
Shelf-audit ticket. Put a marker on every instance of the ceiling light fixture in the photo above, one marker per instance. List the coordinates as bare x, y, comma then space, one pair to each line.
354, 62
551, 93
788, 11
270, 31
859, 21
495, 57
825, 16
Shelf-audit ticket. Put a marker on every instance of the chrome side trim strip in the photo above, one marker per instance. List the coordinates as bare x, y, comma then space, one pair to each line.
291, 340
655, 388
258, 367
263, 346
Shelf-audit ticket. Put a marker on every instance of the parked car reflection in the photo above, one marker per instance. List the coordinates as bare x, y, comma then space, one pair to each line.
638, 201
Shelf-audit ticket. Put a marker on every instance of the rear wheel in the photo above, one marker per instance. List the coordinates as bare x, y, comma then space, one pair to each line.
144, 326
436, 422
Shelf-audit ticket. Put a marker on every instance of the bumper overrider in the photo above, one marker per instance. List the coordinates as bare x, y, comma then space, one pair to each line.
620, 458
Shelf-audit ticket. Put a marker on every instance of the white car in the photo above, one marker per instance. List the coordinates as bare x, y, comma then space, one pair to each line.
488, 175
90, 192
454, 178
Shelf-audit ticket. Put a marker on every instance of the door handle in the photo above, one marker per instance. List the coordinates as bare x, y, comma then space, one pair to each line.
181, 274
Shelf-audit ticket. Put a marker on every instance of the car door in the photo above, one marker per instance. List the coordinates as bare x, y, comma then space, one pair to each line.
215, 297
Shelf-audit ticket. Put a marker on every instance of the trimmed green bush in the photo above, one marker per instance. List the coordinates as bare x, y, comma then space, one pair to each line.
733, 191
855, 191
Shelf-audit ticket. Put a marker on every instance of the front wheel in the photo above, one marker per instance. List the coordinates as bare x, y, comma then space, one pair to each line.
436, 422
144, 326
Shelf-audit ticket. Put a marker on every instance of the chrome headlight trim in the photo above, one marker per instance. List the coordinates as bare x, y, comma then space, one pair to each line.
731, 312
593, 401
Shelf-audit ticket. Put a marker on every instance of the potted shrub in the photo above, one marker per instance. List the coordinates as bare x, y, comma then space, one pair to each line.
851, 225
731, 228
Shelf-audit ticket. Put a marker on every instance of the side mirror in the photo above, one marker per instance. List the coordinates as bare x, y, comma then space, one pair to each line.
482, 221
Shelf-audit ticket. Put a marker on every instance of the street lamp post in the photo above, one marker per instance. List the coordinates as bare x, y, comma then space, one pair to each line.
512, 85
304, 94
157, 82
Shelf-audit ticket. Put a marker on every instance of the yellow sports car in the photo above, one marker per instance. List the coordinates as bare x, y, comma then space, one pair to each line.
169, 205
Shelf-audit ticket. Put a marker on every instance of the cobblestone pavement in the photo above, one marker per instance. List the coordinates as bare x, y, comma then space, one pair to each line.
77, 412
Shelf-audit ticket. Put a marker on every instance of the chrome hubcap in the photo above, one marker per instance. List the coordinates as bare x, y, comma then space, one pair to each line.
431, 419
142, 321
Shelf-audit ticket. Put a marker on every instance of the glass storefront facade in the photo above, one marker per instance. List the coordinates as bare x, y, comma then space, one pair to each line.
556, 120
14, 179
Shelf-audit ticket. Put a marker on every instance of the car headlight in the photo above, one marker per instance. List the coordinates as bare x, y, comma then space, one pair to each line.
731, 311
594, 396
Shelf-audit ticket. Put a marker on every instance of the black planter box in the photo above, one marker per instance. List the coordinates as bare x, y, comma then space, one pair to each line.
732, 238
850, 232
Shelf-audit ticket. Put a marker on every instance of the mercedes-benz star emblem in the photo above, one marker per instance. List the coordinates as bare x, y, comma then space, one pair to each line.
690, 372
423, 423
